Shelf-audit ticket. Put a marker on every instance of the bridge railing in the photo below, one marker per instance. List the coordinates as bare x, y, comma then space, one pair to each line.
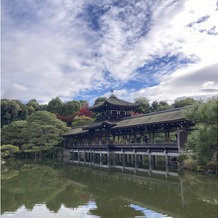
125, 146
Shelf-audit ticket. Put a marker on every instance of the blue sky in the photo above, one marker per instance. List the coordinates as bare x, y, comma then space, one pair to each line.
81, 49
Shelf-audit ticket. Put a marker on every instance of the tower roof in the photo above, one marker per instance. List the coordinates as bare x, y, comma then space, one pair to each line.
113, 101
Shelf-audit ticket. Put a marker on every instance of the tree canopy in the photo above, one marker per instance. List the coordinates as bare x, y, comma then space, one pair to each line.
160, 106
40, 132
204, 141
55, 105
99, 99
44, 130
183, 102
33, 106
143, 105
81, 120
12, 110
11, 134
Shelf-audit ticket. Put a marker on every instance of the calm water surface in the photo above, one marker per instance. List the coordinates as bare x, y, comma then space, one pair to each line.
53, 189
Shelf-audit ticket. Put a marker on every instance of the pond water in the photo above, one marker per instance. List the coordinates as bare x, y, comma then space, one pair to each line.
55, 189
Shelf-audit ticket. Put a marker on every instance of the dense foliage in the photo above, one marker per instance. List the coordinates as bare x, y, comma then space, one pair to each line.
203, 141
12, 110
145, 107
8, 150
81, 121
40, 132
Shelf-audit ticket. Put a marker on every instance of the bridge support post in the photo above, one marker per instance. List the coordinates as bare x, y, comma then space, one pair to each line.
167, 162
136, 161
78, 156
178, 139
154, 161
150, 162
108, 159
100, 158
124, 160
93, 158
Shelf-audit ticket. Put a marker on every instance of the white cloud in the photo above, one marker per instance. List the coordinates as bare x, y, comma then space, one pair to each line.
184, 83
52, 51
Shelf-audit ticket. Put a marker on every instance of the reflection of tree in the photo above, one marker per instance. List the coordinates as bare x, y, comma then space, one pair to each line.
36, 184
73, 186
204, 187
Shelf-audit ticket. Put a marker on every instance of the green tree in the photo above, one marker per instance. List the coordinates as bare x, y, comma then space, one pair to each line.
33, 106
144, 106
55, 105
160, 106
70, 108
184, 102
8, 150
12, 110
43, 132
203, 141
11, 134
81, 121
99, 99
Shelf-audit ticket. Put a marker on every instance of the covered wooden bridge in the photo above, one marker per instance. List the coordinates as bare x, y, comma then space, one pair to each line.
118, 137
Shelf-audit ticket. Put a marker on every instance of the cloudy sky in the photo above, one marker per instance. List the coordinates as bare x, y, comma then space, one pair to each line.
81, 49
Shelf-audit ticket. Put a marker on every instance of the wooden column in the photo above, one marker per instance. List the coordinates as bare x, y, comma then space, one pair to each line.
136, 161
178, 139
124, 160
150, 162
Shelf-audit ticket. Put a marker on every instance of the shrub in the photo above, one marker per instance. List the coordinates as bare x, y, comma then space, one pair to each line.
8, 150
182, 157
212, 165
190, 164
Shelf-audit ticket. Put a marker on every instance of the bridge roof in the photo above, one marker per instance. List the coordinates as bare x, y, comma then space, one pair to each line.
162, 117
152, 118
75, 131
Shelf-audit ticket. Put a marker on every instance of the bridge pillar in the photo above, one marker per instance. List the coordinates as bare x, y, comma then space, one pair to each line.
124, 160
150, 162
108, 159
154, 161
93, 157
78, 156
136, 161
167, 162
100, 157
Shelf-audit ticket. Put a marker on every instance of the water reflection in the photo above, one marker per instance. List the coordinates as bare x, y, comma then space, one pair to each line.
66, 190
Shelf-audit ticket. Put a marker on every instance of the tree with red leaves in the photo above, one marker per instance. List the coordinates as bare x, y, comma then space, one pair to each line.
84, 111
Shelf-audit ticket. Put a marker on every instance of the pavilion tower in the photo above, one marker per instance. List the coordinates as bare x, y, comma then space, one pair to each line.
113, 108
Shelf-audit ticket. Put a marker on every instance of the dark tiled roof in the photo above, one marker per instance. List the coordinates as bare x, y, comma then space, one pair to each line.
75, 131
152, 118
168, 116
113, 100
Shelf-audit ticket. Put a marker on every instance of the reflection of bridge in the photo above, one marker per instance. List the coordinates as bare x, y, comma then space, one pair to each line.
149, 192
172, 196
